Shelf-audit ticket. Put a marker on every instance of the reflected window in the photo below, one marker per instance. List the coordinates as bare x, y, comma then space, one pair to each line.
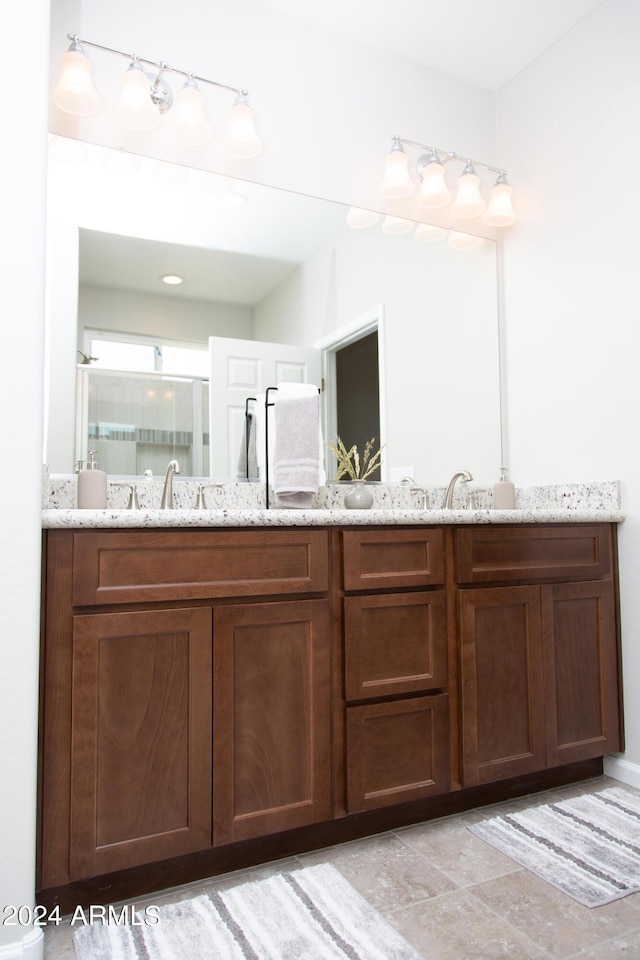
146, 354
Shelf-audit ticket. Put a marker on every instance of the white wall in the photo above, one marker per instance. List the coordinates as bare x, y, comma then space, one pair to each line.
568, 128
441, 349
127, 310
22, 201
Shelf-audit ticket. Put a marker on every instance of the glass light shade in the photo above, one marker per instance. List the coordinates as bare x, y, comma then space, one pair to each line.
468, 202
137, 110
242, 140
500, 211
188, 117
396, 182
428, 233
463, 241
360, 219
434, 192
74, 92
396, 226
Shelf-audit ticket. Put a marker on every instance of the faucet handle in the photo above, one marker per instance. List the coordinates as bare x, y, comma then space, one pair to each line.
200, 499
424, 497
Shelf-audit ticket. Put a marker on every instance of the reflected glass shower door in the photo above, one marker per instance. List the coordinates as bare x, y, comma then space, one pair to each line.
137, 422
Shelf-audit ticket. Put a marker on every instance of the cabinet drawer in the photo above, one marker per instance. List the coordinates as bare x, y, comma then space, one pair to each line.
375, 559
397, 752
145, 565
566, 552
395, 644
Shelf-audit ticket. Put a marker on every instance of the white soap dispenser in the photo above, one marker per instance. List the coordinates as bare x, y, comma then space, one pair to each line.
92, 486
504, 493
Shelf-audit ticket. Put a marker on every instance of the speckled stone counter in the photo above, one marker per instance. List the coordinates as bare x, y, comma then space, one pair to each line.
243, 505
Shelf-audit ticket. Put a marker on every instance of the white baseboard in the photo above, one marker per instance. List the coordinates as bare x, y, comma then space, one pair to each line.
622, 770
29, 947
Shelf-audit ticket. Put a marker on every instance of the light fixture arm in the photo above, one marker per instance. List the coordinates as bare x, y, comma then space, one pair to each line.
446, 155
160, 66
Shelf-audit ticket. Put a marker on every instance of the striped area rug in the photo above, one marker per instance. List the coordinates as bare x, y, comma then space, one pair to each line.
308, 914
588, 847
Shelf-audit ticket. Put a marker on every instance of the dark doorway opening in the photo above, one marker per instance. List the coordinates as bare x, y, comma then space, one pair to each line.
358, 394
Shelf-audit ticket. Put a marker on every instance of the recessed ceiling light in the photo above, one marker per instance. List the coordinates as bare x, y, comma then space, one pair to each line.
172, 279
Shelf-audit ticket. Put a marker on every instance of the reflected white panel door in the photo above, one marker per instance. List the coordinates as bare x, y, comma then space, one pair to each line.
241, 369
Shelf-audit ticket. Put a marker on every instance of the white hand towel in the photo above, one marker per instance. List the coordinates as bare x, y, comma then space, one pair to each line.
296, 471
307, 390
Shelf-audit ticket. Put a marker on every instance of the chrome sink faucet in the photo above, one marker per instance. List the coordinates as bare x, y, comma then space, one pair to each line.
167, 493
463, 475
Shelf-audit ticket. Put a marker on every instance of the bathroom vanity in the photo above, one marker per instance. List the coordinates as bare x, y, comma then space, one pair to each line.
221, 694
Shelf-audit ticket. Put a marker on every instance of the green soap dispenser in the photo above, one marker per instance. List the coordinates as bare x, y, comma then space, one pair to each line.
92, 486
504, 493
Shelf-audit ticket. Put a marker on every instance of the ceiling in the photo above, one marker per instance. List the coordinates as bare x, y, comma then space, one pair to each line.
483, 42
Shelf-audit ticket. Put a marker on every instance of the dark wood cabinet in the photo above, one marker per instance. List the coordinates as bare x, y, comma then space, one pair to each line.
141, 738
580, 647
395, 644
397, 751
539, 661
271, 718
395, 652
210, 698
502, 706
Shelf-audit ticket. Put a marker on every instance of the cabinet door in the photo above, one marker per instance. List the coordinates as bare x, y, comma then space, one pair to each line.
141, 739
395, 644
581, 670
502, 683
397, 751
271, 718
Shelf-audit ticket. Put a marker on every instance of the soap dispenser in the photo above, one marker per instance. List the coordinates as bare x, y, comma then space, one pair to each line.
504, 493
92, 486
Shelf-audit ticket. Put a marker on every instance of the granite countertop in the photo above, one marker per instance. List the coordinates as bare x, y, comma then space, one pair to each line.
83, 519
243, 505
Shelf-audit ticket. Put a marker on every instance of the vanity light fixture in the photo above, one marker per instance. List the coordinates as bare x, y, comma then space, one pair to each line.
146, 96
435, 194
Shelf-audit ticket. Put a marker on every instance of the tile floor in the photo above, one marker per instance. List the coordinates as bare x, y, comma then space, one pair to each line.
453, 896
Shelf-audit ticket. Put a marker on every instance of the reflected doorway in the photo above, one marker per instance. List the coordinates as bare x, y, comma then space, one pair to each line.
358, 394
360, 345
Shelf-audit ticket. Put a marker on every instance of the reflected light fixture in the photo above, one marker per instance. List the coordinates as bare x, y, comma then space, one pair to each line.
361, 219
435, 192
428, 233
396, 226
146, 96
463, 241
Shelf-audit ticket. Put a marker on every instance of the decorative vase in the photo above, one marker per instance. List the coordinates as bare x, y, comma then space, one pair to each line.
358, 497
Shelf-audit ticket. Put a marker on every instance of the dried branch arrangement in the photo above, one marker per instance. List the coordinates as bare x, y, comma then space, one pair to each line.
350, 464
